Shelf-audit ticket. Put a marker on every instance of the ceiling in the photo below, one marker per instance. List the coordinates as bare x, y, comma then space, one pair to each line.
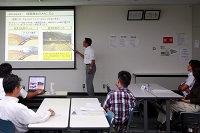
95, 2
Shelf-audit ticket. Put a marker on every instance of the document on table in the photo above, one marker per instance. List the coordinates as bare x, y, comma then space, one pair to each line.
93, 113
92, 107
162, 91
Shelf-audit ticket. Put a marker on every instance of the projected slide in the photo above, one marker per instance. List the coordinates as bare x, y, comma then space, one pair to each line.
39, 36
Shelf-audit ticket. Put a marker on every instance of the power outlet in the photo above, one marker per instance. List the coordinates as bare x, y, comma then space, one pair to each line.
104, 86
83, 86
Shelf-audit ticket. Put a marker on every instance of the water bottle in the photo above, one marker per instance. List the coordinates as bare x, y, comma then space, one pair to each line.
147, 86
51, 88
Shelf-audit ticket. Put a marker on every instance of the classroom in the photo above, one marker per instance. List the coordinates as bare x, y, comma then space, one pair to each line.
149, 60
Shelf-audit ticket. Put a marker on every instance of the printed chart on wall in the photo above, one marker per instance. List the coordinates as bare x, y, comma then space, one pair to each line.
39, 36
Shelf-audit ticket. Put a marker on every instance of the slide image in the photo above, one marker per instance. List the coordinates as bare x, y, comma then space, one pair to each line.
57, 41
22, 47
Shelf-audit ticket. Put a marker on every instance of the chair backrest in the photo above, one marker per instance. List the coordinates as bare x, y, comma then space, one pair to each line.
108, 88
130, 117
6, 126
110, 118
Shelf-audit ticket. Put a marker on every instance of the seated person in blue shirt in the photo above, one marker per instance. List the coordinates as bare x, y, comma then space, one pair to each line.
6, 69
190, 103
185, 87
120, 101
16, 112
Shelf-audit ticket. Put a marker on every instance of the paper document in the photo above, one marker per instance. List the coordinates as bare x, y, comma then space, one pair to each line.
92, 114
92, 107
162, 91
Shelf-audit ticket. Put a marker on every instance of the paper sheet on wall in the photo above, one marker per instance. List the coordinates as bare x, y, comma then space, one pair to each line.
113, 41
134, 41
184, 54
174, 51
123, 41
196, 43
181, 39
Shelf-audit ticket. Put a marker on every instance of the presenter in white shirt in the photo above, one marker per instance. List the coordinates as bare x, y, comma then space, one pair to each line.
16, 112
89, 60
6, 69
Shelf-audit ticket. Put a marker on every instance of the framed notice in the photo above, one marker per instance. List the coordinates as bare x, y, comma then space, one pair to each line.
135, 14
152, 15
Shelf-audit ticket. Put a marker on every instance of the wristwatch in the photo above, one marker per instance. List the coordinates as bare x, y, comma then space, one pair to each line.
90, 67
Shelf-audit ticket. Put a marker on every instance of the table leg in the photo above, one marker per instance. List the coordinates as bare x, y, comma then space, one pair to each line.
167, 115
145, 116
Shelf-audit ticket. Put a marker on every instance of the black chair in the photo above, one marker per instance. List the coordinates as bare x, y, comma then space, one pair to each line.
6, 126
108, 88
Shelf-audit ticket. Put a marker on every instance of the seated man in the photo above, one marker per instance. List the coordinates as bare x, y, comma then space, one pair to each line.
120, 101
190, 103
6, 69
185, 87
15, 112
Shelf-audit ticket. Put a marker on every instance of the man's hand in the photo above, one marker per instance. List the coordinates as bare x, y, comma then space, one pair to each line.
89, 71
187, 91
39, 91
52, 112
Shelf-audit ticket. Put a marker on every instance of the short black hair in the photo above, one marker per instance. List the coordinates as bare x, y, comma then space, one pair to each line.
10, 82
5, 69
88, 41
124, 78
192, 62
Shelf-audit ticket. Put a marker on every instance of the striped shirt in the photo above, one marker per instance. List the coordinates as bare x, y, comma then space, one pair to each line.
120, 101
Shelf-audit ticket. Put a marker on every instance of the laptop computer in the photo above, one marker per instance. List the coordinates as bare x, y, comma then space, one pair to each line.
36, 82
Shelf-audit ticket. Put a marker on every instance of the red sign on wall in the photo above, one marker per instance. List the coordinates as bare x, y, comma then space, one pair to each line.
167, 39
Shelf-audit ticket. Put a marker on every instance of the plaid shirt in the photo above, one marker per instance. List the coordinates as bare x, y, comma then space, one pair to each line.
120, 101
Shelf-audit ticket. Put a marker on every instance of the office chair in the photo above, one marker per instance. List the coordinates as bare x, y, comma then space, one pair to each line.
130, 117
195, 115
108, 88
110, 118
6, 126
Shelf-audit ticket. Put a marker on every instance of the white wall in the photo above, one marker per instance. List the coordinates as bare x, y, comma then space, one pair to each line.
196, 30
98, 22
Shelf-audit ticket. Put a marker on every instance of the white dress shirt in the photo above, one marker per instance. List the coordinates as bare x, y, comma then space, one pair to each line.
190, 82
89, 55
23, 93
19, 114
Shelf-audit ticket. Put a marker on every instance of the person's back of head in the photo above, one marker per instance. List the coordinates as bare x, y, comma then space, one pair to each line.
124, 78
10, 82
88, 41
192, 62
5, 69
196, 71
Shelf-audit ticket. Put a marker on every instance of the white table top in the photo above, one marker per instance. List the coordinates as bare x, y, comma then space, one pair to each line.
138, 92
91, 121
160, 92
60, 120
57, 94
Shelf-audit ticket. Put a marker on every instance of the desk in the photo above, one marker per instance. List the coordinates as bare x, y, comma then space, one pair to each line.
141, 94
159, 75
57, 122
34, 102
163, 95
80, 122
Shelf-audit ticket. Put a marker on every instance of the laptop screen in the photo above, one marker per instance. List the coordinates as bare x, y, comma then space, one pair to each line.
36, 82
